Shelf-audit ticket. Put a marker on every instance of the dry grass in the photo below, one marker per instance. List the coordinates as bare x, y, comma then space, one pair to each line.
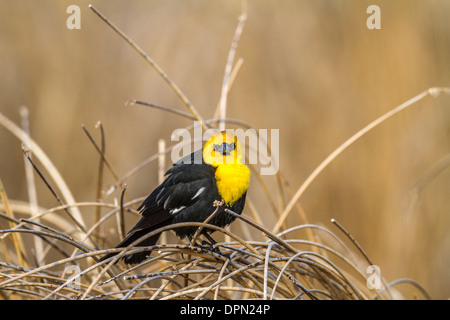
53, 253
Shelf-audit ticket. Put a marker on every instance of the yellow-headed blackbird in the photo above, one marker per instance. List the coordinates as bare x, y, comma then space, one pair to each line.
193, 186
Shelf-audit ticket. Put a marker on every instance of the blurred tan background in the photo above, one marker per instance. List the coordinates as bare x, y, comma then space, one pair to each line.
312, 69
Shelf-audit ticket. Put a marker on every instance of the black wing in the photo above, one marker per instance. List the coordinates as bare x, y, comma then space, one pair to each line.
183, 187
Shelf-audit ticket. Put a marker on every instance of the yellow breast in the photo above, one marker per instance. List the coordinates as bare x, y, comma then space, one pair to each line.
232, 181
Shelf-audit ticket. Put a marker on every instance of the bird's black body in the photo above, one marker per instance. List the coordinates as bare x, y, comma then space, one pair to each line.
188, 194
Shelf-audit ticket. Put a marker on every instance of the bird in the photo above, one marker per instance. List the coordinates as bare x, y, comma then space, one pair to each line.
213, 177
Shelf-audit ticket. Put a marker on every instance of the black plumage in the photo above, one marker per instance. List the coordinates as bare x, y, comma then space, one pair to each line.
188, 194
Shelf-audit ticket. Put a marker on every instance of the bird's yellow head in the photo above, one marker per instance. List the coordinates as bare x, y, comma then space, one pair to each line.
223, 148
224, 152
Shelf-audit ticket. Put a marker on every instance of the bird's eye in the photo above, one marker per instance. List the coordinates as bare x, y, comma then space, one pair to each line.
224, 148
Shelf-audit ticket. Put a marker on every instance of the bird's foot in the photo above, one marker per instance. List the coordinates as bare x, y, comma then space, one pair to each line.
210, 247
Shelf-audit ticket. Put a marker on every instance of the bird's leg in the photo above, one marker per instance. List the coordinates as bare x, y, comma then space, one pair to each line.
211, 243
205, 244
190, 237
213, 249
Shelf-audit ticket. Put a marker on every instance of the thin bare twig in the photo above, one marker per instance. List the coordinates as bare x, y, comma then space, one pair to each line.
100, 150
31, 186
53, 192
158, 69
100, 171
229, 66
46, 162
432, 92
121, 220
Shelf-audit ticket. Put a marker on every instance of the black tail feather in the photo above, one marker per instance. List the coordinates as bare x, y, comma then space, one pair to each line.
132, 237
